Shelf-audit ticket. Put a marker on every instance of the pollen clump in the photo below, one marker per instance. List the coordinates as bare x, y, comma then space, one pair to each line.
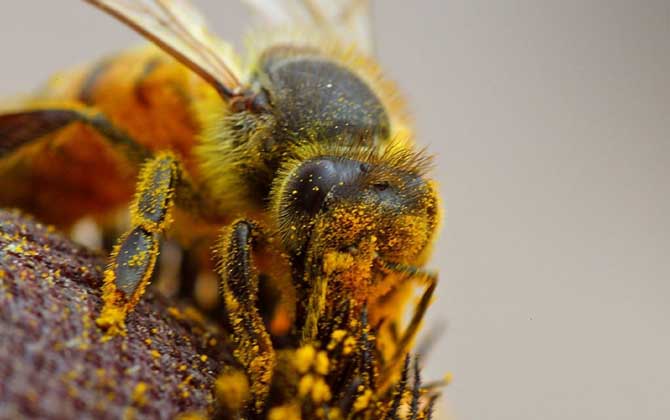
321, 363
304, 357
113, 316
320, 391
336, 338
285, 412
139, 396
305, 385
232, 389
362, 401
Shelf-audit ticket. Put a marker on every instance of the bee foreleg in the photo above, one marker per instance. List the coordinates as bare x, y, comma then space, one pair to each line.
399, 392
134, 256
239, 290
410, 271
408, 336
315, 308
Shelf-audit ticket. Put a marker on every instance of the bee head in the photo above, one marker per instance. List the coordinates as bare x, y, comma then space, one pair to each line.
360, 205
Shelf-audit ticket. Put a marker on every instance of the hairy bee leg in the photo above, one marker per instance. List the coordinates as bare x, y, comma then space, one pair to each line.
133, 258
414, 273
416, 391
410, 271
315, 307
412, 329
399, 391
419, 313
239, 290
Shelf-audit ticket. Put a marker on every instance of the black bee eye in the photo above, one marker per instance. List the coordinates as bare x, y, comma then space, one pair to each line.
308, 187
314, 179
260, 102
381, 186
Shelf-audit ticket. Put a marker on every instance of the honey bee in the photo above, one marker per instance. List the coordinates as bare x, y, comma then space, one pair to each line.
299, 157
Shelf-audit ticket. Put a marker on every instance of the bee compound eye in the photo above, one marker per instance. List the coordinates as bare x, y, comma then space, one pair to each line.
309, 186
314, 179
381, 186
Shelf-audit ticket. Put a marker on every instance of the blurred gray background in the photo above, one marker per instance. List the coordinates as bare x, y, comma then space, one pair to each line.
550, 121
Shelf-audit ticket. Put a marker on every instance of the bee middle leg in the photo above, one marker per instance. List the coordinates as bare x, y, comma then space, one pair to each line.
134, 256
239, 288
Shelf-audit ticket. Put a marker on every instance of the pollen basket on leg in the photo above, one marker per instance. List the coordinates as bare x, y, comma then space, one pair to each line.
134, 260
134, 257
154, 193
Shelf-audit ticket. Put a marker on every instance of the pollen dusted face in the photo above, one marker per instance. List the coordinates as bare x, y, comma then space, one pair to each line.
366, 210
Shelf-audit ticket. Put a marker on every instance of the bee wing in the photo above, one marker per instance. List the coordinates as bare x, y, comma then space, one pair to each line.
176, 27
348, 20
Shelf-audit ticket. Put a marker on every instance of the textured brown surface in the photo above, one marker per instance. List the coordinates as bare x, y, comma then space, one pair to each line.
53, 363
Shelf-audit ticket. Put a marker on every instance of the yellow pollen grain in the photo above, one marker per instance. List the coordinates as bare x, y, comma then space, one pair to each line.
338, 335
232, 389
349, 346
336, 338
363, 401
137, 259
285, 412
155, 354
203, 358
305, 385
320, 391
175, 312
112, 317
322, 363
304, 357
139, 396
192, 416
